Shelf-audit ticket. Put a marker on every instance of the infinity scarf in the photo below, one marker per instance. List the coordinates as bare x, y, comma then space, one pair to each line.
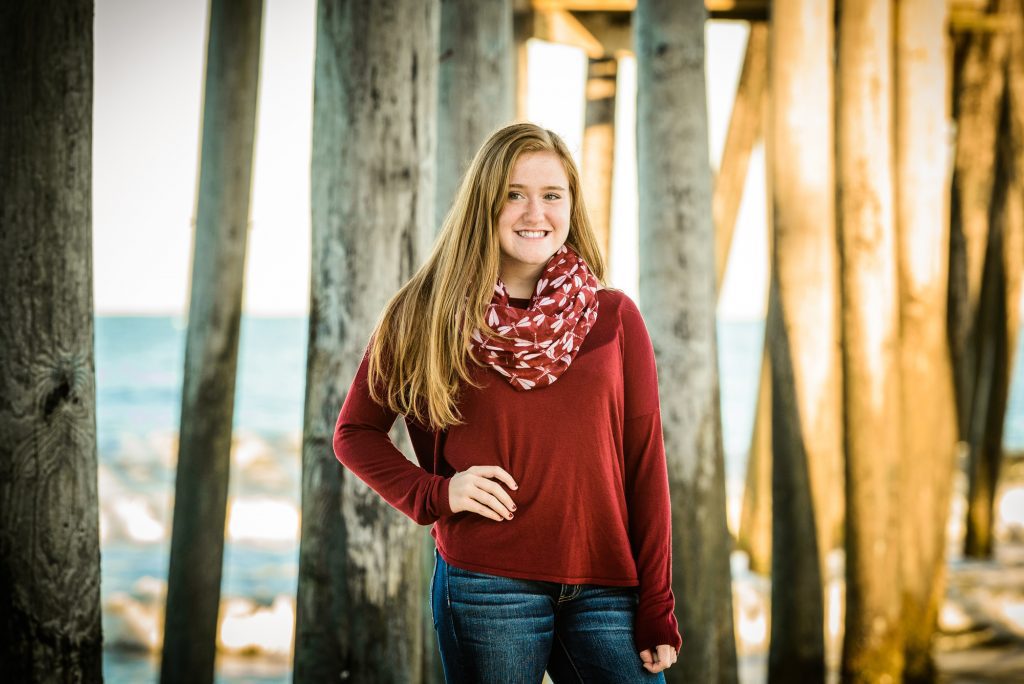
547, 336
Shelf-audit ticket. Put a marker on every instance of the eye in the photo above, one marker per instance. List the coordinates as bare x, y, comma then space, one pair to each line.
514, 194
553, 196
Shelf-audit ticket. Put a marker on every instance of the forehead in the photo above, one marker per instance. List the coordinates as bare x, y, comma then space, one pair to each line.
538, 168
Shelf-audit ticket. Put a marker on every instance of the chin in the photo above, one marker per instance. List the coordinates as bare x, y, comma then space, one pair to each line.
540, 259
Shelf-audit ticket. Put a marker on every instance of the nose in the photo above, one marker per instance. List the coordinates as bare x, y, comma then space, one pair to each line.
534, 211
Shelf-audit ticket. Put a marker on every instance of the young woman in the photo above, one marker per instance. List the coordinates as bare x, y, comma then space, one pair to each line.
531, 397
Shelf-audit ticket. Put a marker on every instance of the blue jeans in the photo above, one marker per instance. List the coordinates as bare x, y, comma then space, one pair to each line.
502, 630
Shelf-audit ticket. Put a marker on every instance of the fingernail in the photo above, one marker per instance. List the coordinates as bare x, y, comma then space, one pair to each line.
510, 516
515, 486
513, 507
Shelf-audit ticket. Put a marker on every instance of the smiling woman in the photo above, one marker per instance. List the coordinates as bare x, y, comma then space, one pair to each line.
534, 221
531, 395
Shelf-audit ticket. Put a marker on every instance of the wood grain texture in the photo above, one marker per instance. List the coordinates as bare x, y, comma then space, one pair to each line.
361, 584
50, 628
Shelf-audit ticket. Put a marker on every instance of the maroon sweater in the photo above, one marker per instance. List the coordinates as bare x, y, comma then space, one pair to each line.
587, 453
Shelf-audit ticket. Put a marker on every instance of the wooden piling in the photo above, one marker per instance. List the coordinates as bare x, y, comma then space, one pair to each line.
873, 646
50, 626
677, 297
211, 347
361, 585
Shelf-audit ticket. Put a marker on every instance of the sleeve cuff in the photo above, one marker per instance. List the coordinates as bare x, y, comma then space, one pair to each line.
651, 632
442, 503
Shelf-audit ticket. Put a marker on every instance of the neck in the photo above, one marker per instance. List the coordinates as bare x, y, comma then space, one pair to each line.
520, 285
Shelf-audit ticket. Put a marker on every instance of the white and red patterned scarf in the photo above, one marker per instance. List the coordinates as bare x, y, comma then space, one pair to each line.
547, 336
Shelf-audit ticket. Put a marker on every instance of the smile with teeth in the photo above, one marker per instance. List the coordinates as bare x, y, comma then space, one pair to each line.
531, 233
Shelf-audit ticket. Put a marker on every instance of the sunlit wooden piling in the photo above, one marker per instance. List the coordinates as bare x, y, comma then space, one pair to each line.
802, 334
872, 646
927, 406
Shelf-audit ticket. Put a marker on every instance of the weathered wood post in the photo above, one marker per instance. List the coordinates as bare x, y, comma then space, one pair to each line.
991, 368
599, 145
872, 648
978, 90
476, 86
991, 345
928, 407
50, 628
361, 588
802, 335
211, 350
677, 297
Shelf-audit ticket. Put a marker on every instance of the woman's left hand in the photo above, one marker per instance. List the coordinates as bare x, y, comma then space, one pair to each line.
661, 660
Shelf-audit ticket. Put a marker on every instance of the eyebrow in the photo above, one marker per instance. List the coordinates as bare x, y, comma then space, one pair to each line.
546, 187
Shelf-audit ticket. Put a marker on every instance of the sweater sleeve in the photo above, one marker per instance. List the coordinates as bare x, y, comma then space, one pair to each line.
647, 491
362, 444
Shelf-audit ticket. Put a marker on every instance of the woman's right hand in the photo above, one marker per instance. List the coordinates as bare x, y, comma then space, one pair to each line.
473, 490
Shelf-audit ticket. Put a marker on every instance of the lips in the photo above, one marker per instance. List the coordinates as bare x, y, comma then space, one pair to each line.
532, 234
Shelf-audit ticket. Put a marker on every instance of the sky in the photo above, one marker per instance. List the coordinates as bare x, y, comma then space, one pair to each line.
149, 73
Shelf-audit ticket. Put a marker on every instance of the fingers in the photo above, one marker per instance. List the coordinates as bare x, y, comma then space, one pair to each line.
498, 492
475, 507
494, 471
661, 659
473, 491
492, 504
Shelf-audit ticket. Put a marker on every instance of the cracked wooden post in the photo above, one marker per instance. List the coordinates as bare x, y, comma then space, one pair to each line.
211, 350
873, 643
677, 297
361, 587
50, 627
928, 407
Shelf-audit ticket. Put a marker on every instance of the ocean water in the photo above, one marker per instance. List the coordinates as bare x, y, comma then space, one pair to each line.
139, 364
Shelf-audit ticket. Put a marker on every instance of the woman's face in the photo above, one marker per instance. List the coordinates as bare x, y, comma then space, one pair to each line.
534, 223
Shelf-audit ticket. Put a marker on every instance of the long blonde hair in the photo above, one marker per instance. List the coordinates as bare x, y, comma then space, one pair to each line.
419, 350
